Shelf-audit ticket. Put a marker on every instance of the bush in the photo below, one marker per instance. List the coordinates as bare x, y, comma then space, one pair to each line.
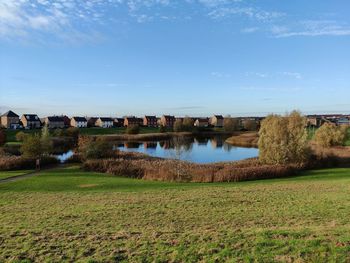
331, 135
90, 148
178, 125
20, 136
31, 147
283, 140
162, 129
2, 137
73, 132
250, 125
231, 124
19, 163
134, 129
188, 124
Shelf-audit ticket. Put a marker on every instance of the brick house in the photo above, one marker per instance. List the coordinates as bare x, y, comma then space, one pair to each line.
66, 121
201, 122
217, 121
132, 121
104, 122
79, 122
30, 121
118, 122
54, 122
167, 121
10, 120
150, 121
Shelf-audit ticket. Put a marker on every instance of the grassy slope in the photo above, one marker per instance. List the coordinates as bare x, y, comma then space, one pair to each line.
68, 214
8, 174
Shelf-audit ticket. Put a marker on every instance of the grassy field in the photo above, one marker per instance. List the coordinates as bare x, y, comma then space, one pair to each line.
8, 174
70, 215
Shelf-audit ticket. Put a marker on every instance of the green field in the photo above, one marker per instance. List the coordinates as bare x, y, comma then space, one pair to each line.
70, 215
8, 174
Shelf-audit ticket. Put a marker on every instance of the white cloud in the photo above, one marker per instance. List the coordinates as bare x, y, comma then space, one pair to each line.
249, 30
292, 74
312, 28
249, 12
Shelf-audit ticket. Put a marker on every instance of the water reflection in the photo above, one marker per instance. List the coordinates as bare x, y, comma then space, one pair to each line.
199, 149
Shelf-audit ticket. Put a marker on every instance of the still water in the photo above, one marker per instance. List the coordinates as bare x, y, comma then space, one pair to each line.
198, 150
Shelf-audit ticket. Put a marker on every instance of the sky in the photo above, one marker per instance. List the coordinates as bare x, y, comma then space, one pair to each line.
185, 57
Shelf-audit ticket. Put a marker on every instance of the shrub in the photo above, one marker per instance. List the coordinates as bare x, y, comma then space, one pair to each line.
20, 136
187, 124
46, 141
20, 163
162, 129
231, 124
283, 139
178, 125
134, 129
90, 148
2, 137
250, 125
73, 132
31, 147
329, 135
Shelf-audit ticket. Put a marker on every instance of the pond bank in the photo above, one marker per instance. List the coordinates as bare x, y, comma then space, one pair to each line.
246, 139
157, 136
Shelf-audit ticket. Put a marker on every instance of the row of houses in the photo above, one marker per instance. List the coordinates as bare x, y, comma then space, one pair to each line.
11, 120
318, 120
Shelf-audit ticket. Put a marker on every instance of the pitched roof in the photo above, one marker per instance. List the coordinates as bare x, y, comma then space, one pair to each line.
31, 117
105, 119
55, 119
150, 117
10, 113
80, 119
219, 116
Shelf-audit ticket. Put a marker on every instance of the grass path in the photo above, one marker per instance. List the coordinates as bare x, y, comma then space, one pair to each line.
6, 176
66, 215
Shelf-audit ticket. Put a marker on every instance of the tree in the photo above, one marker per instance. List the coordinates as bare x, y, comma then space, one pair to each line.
31, 147
2, 137
46, 142
187, 124
250, 125
90, 148
329, 135
178, 125
283, 139
231, 124
20, 136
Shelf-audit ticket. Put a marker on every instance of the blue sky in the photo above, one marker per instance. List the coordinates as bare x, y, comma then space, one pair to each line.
188, 57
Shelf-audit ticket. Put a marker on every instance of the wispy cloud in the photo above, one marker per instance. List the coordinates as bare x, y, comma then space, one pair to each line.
292, 74
312, 28
220, 74
249, 12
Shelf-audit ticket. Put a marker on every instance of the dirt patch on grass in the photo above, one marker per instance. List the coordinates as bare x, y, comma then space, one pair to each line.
87, 185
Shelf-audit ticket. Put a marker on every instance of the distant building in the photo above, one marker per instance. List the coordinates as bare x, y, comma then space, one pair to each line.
201, 122
150, 121
132, 121
10, 120
79, 122
217, 121
343, 121
54, 122
104, 122
118, 122
91, 121
167, 121
30, 121
66, 121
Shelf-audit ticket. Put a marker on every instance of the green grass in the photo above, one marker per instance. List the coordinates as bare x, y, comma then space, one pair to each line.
8, 174
70, 215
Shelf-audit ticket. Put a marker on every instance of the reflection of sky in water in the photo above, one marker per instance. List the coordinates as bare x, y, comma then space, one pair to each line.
198, 151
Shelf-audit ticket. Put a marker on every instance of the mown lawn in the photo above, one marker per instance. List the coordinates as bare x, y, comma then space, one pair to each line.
70, 215
8, 174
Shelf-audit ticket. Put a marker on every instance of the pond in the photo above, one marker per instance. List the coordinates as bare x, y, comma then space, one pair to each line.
197, 150
64, 156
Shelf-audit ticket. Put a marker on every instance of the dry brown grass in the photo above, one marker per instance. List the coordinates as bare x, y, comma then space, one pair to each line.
248, 139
